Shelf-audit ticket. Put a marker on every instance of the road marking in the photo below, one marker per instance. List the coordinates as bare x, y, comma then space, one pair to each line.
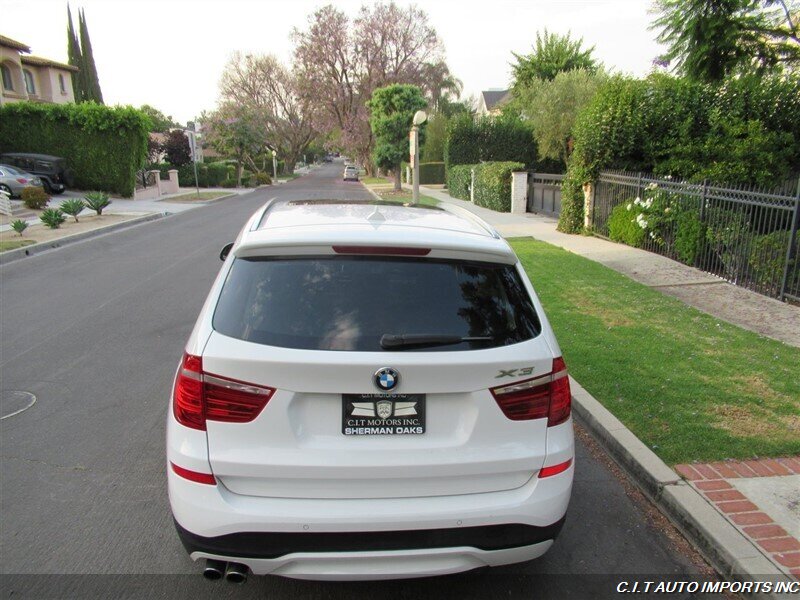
18, 396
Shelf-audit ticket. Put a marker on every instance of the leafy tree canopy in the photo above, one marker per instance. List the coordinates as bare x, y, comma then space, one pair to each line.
552, 54
392, 110
159, 121
710, 39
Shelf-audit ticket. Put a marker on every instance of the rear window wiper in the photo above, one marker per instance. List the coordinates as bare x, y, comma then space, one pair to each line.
418, 340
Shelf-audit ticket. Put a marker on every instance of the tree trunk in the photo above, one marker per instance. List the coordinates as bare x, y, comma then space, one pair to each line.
239, 167
397, 186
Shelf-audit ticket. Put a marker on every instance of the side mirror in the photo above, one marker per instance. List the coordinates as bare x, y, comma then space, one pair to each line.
226, 249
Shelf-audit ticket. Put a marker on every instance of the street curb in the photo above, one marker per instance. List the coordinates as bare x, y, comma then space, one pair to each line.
728, 551
26, 251
204, 202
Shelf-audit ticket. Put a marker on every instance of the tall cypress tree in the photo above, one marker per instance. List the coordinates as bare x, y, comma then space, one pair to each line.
90, 78
74, 59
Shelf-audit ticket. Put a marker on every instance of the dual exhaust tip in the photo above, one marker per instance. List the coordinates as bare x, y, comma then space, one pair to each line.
233, 572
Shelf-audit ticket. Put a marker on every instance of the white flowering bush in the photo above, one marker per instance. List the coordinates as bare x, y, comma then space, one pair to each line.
659, 220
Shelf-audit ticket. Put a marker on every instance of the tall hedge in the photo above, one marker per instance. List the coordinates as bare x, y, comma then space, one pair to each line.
488, 139
493, 184
104, 146
459, 178
743, 131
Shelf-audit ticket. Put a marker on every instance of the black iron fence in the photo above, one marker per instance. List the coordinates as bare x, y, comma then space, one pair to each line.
745, 235
544, 193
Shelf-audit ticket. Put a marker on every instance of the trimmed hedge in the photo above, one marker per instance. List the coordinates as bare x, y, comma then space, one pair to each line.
104, 146
493, 184
431, 173
459, 178
489, 139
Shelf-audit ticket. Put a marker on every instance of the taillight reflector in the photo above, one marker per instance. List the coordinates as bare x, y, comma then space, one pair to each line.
545, 396
200, 397
391, 250
195, 476
555, 469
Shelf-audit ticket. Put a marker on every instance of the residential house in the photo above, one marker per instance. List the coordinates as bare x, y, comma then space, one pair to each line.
27, 77
492, 101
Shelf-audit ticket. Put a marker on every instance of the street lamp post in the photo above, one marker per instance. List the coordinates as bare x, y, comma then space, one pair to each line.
274, 165
419, 118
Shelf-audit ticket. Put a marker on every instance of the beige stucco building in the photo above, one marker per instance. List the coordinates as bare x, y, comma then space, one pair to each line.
26, 77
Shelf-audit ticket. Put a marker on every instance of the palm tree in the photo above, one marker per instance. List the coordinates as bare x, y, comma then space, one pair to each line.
439, 83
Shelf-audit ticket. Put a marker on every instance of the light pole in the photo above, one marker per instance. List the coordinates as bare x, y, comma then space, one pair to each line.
419, 118
274, 165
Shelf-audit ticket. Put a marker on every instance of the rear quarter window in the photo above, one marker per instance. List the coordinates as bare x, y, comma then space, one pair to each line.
349, 303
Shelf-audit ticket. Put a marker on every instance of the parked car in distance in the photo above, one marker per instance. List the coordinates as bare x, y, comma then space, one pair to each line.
371, 391
350, 173
52, 170
13, 180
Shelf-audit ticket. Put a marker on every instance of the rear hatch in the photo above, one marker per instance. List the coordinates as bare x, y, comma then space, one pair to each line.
320, 331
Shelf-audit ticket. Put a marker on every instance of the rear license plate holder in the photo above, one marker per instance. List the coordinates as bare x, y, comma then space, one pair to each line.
383, 414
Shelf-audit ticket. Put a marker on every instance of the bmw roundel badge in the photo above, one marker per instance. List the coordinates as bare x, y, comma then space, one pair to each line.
386, 379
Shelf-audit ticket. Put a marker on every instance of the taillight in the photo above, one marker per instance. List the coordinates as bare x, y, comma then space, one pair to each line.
22, 180
200, 397
187, 404
545, 396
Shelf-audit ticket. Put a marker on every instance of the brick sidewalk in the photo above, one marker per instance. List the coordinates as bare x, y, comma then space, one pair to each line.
712, 480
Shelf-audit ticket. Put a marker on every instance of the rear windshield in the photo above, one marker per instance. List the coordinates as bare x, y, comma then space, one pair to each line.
349, 303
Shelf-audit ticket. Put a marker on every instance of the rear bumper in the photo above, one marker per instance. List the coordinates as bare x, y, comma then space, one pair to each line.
272, 545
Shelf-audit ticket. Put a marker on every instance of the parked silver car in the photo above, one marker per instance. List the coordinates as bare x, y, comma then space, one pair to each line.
13, 181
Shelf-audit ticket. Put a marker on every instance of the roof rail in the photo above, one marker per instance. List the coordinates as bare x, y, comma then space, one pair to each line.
470, 216
262, 216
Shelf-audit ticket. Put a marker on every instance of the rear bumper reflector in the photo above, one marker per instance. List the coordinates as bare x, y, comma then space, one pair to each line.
195, 476
268, 545
555, 469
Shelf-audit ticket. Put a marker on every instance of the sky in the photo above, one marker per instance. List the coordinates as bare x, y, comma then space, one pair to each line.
171, 53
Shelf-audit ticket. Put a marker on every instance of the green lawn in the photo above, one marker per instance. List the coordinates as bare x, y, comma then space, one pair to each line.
14, 244
375, 181
688, 385
195, 197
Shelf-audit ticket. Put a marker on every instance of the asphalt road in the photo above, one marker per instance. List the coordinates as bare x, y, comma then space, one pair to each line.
95, 330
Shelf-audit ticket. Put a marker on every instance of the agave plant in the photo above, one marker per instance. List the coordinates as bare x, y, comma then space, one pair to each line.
73, 207
52, 217
19, 226
97, 201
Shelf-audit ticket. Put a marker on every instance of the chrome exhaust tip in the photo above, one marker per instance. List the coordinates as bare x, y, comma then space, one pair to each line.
214, 569
236, 573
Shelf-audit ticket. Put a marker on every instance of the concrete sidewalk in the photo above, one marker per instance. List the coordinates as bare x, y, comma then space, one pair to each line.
758, 313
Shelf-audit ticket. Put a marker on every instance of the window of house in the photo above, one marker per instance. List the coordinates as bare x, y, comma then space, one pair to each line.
7, 83
62, 83
29, 85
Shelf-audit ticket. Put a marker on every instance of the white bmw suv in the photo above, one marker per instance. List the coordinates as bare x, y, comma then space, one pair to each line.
371, 391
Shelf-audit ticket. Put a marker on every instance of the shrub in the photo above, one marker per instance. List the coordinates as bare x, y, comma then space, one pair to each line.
488, 139
263, 178
431, 172
97, 201
52, 217
459, 178
104, 146
493, 184
35, 198
767, 257
745, 130
72, 207
690, 234
623, 227
228, 182
19, 226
